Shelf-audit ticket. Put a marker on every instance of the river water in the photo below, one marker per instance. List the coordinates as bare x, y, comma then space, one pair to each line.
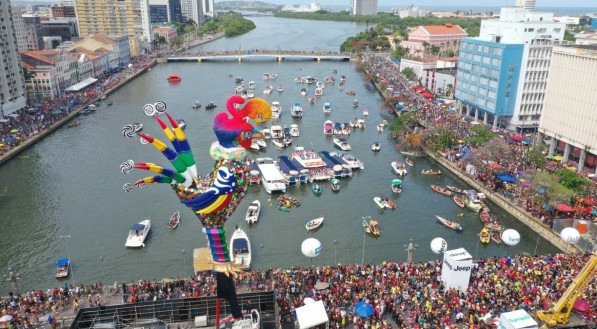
70, 183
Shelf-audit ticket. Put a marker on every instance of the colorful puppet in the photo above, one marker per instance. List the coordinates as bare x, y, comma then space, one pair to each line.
214, 197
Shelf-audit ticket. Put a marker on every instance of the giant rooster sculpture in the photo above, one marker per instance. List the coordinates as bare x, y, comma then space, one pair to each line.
212, 198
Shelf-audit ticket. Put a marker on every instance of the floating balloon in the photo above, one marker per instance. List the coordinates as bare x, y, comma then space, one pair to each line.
129, 131
570, 235
308, 300
511, 237
438, 245
311, 247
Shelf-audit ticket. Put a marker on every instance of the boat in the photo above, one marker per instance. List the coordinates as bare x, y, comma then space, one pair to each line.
319, 84
390, 203
173, 77
280, 88
260, 142
352, 162
174, 220
495, 237
431, 172
73, 124
304, 92
351, 93
110, 103
371, 226
294, 130
250, 94
342, 144
181, 123
210, 106
252, 85
197, 105
375, 146
62, 268
399, 168
328, 127
271, 177
85, 111
335, 186
458, 201
379, 202
409, 162
239, 80
268, 90
342, 78
277, 132
314, 224
311, 100
355, 103
365, 113
449, 224
316, 188
310, 80
241, 249
454, 189
484, 216
327, 107
254, 146
138, 233
484, 235
471, 201
441, 190
276, 109
239, 89
318, 91
341, 85
329, 80
296, 111
265, 76
253, 211
412, 153
397, 186
282, 142
266, 133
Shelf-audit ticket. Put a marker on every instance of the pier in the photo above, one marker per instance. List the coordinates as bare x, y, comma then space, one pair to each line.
261, 55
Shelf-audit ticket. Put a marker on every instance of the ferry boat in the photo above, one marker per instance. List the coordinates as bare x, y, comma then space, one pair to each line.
138, 233
342, 144
327, 107
328, 127
308, 159
276, 109
271, 177
296, 111
241, 249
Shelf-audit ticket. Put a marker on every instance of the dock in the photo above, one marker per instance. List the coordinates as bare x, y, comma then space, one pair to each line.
202, 260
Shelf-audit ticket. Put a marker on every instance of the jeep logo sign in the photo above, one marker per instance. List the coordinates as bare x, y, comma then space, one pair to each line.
462, 268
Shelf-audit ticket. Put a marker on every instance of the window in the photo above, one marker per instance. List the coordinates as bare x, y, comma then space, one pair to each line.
486, 49
483, 91
477, 58
479, 47
491, 105
486, 60
491, 94
496, 62
484, 81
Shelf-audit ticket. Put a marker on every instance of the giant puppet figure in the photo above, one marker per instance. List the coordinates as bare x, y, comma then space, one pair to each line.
214, 197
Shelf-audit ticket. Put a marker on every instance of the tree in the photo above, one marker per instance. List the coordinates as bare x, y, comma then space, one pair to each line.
568, 36
409, 73
439, 138
55, 44
480, 135
412, 142
449, 53
571, 180
404, 123
176, 41
434, 50
426, 48
400, 52
535, 156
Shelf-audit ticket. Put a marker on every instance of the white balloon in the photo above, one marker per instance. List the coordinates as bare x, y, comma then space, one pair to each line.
570, 235
311, 247
438, 245
511, 237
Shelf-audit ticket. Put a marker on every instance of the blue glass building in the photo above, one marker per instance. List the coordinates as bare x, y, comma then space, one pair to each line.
487, 78
158, 14
175, 11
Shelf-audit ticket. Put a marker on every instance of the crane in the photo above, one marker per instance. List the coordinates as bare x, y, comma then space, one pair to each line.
560, 311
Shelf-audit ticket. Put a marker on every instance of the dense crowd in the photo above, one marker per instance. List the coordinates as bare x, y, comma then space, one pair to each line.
403, 295
267, 51
514, 162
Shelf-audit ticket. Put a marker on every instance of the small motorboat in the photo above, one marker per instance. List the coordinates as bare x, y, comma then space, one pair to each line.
253, 212
327, 108
110, 103
137, 234
399, 168
252, 85
379, 202
276, 109
441, 190
296, 111
73, 124
355, 103
174, 78
351, 93
390, 204
458, 201
484, 216
240, 246
318, 91
454, 189
266, 133
181, 123
335, 186
396, 186
314, 224
260, 142
371, 226
329, 80
294, 130
197, 105
268, 90
210, 105
280, 88
328, 127
250, 94
342, 144
431, 172
311, 100
62, 268
310, 80
240, 89
484, 236
409, 162
449, 224
375, 147
316, 188
304, 92
365, 113
174, 220
239, 80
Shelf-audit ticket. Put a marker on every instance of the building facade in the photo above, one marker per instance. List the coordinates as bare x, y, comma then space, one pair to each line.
20, 28
167, 32
526, 4
35, 40
59, 12
569, 115
363, 7
158, 14
12, 81
208, 7
191, 10
65, 29
175, 15
421, 39
117, 47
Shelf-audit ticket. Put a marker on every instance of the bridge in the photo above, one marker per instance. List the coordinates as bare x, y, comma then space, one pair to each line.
261, 55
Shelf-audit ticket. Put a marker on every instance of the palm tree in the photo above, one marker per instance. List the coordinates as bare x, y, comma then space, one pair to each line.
426, 48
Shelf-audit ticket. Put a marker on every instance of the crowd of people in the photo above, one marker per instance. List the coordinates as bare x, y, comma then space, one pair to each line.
403, 295
267, 51
513, 162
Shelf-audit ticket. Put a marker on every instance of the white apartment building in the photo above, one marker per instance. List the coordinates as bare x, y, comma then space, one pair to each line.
570, 107
412, 11
363, 7
526, 4
208, 8
145, 24
20, 28
192, 9
12, 81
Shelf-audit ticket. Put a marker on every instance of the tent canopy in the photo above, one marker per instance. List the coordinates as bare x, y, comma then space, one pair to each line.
562, 207
80, 85
311, 315
62, 262
518, 138
506, 178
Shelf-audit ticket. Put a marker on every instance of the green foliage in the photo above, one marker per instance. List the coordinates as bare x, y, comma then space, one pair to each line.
536, 157
435, 50
405, 122
372, 39
234, 24
555, 192
571, 180
480, 135
438, 139
568, 36
409, 73
399, 52
176, 41
449, 53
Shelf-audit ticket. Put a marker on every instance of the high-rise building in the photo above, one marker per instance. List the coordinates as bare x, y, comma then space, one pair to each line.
363, 7
12, 80
35, 40
502, 73
526, 4
65, 29
191, 10
174, 15
158, 14
115, 17
569, 113
20, 28
208, 7
59, 12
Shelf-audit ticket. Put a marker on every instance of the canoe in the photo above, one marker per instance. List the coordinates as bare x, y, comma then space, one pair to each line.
484, 216
174, 220
484, 236
314, 224
409, 162
379, 202
454, 189
441, 190
449, 224
390, 204
431, 172
459, 202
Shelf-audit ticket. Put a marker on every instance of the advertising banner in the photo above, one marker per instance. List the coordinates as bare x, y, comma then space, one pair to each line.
518, 319
456, 269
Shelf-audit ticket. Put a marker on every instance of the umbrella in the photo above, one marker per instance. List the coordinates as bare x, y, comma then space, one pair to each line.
581, 305
518, 138
6, 318
321, 285
527, 183
363, 310
588, 201
562, 207
14, 131
547, 207
558, 158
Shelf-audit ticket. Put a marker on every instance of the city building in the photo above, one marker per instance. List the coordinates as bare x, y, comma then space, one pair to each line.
208, 7
412, 11
12, 81
117, 46
65, 29
35, 39
594, 23
43, 12
315, 6
116, 17
52, 42
175, 14
158, 14
586, 38
421, 66
191, 10
67, 3
568, 20
167, 32
422, 39
363, 7
440, 81
526, 4
100, 60
20, 28
59, 12
502, 74
569, 115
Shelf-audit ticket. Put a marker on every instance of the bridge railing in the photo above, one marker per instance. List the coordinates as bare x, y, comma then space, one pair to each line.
273, 52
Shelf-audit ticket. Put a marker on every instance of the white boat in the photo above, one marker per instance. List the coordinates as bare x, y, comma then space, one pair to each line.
318, 91
250, 94
472, 201
280, 88
375, 146
277, 132
399, 168
253, 212
319, 84
310, 80
365, 113
273, 76
268, 90
296, 111
266, 76
352, 162
62, 268
137, 234
271, 177
342, 144
266, 133
241, 249
196, 105
276, 109
282, 142
355, 103
252, 85
255, 146
294, 130
303, 92
314, 224
379, 202
327, 107
261, 143
328, 127
329, 80
239, 89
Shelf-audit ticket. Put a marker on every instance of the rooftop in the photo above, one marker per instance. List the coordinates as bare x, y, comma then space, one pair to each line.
444, 29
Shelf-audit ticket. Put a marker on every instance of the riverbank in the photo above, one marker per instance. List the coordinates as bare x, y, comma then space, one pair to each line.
517, 212
35, 138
